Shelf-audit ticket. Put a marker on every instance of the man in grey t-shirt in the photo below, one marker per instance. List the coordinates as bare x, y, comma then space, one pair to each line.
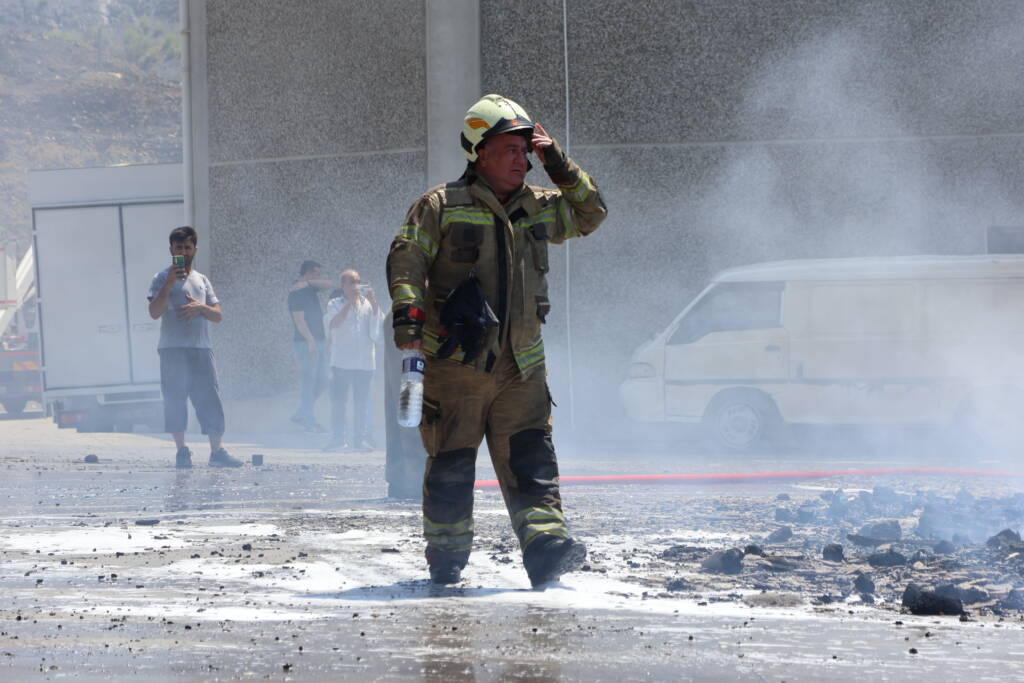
184, 300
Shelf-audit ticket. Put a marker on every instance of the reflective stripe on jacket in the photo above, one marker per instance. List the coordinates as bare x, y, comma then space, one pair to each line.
461, 227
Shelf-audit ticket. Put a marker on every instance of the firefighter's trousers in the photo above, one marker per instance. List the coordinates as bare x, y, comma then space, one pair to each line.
461, 406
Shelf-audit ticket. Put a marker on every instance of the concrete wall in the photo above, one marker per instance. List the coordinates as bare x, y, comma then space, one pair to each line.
726, 132
317, 140
722, 132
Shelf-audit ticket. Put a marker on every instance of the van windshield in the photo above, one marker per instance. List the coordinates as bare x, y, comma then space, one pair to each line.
732, 306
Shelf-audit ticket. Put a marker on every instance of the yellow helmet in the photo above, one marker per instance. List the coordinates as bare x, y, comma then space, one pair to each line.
492, 115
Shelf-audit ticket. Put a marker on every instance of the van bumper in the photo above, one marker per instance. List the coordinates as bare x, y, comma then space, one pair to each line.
643, 399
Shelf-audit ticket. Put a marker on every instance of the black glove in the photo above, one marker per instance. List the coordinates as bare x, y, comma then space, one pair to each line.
465, 319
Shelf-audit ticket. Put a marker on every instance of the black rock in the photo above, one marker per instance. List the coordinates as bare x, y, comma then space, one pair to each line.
247, 546
889, 558
944, 548
865, 541
147, 522
684, 553
805, 515
1005, 538
864, 584
867, 598
920, 601
678, 585
777, 564
780, 535
724, 562
967, 596
92, 459
889, 530
833, 552
920, 555
784, 515
753, 549
782, 496
1013, 600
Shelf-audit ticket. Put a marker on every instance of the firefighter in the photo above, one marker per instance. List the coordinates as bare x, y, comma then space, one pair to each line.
475, 251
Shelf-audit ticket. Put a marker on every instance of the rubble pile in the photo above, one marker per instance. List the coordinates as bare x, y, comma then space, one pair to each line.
921, 553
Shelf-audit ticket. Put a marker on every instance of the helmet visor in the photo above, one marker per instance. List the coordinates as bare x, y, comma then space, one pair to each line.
509, 126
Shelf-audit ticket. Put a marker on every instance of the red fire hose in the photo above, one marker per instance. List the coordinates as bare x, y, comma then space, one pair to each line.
743, 477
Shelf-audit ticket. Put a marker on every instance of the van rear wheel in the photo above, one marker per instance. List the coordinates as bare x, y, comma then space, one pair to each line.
743, 421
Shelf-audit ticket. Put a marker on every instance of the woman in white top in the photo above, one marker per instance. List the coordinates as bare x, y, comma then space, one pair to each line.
353, 326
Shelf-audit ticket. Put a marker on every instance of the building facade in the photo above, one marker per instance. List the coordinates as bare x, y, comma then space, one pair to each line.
722, 132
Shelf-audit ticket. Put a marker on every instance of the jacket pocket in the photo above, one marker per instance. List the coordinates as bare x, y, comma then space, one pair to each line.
465, 241
430, 423
539, 246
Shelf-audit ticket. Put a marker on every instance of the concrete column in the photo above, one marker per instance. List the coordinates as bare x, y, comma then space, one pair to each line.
453, 82
197, 157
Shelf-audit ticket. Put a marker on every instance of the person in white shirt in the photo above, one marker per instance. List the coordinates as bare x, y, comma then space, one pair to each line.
353, 324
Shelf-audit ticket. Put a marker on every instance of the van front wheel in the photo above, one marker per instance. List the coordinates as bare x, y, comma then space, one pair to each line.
742, 421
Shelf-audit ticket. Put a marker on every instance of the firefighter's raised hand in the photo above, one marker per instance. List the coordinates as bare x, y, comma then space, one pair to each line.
540, 141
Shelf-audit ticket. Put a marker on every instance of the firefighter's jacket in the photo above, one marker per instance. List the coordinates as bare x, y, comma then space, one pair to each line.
461, 227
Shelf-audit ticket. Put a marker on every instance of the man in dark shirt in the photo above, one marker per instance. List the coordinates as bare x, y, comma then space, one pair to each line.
309, 341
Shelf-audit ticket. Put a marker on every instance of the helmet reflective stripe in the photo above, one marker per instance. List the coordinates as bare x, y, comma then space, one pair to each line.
491, 115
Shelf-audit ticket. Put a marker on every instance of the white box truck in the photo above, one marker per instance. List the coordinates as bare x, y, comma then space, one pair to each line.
883, 341
100, 234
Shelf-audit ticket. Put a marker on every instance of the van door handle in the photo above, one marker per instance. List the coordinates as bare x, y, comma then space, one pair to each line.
773, 347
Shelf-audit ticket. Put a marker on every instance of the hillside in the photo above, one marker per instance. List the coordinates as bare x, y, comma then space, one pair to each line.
83, 83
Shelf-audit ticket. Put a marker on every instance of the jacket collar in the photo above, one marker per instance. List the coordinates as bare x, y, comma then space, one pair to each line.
480, 189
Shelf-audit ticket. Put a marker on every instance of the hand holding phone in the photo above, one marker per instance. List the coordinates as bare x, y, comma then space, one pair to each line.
178, 262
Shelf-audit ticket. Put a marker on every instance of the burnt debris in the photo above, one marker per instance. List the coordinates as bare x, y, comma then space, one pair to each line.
925, 602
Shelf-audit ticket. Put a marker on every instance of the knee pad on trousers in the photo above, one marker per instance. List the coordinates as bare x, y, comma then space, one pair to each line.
532, 461
449, 482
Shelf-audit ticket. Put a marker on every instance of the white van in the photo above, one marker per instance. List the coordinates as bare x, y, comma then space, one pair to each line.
933, 340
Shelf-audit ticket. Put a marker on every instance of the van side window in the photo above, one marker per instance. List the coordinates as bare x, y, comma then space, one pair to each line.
734, 306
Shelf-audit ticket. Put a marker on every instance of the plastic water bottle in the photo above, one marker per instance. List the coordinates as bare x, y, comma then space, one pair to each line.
410, 398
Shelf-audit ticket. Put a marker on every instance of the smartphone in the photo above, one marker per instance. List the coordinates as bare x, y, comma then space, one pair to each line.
179, 262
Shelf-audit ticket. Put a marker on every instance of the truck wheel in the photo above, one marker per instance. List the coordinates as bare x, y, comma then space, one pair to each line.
742, 421
15, 407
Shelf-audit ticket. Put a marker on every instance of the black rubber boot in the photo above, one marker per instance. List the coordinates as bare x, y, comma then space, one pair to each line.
444, 574
549, 557
183, 459
220, 458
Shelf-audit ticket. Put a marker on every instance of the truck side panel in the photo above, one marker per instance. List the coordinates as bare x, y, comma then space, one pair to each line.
81, 292
146, 227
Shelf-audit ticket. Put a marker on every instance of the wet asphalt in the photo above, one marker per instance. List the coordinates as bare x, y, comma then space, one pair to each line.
302, 569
